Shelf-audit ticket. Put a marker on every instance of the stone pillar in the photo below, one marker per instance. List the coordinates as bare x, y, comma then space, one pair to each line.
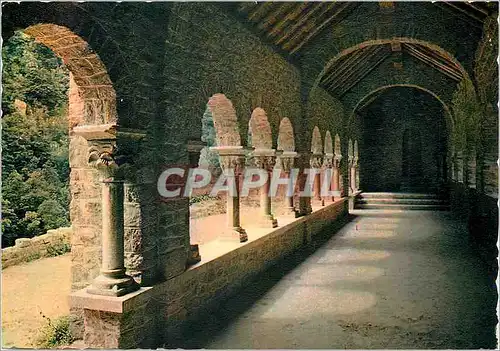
112, 280
265, 160
304, 160
353, 174
328, 172
232, 160
317, 163
336, 176
194, 148
287, 160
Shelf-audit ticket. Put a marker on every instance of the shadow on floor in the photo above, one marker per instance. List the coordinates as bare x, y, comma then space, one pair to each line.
207, 326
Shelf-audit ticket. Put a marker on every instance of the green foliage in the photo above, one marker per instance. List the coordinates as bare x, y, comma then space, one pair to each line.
35, 167
55, 333
468, 112
33, 74
201, 198
208, 135
58, 249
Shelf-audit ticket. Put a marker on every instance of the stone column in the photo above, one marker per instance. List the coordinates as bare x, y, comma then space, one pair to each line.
304, 160
328, 169
232, 160
336, 176
353, 165
317, 163
287, 160
112, 280
194, 148
266, 159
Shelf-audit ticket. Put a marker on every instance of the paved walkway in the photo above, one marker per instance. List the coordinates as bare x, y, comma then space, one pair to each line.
386, 280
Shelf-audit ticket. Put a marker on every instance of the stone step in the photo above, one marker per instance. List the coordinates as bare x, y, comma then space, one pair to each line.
402, 201
399, 195
403, 207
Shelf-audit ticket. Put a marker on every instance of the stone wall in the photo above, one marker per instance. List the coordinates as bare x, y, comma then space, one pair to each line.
55, 242
156, 316
384, 125
480, 212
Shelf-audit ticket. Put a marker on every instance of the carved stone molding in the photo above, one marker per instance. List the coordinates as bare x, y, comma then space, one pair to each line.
316, 161
328, 161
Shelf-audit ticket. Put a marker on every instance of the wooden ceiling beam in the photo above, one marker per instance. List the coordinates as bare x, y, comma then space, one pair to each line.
288, 19
273, 16
321, 26
381, 56
444, 6
301, 22
308, 28
354, 68
342, 65
478, 8
433, 63
261, 11
447, 65
463, 11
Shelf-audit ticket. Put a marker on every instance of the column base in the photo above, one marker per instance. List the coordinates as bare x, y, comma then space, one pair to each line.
107, 286
194, 255
235, 233
268, 221
290, 212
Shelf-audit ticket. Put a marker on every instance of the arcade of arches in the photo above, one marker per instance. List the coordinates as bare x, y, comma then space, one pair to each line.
389, 97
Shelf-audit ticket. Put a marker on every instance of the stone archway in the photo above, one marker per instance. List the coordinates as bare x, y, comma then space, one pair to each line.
92, 102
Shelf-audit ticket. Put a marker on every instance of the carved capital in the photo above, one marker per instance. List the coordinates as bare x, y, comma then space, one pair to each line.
328, 161
102, 157
286, 163
236, 162
265, 162
316, 161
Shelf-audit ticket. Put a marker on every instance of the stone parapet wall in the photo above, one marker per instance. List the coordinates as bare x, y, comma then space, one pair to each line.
155, 316
54, 243
480, 213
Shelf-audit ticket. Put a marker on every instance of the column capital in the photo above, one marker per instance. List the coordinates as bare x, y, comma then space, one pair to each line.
231, 157
102, 157
316, 160
264, 158
328, 160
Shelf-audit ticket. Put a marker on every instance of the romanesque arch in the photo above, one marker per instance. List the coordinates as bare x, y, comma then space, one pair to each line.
286, 139
260, 130
328, 143
338, 146
225, 121
316, 142
92, 96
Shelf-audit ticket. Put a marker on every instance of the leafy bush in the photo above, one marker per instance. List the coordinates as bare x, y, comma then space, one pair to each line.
201, 198
55, 333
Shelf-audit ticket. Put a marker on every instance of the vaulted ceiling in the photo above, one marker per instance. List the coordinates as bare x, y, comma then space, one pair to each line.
291, 26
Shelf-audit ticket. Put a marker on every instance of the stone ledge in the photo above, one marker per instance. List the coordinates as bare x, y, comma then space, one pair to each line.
122, 304
219, 248
130, 302
53, 243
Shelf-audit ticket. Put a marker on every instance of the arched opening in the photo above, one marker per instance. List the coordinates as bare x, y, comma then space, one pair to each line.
89, 100
404, 140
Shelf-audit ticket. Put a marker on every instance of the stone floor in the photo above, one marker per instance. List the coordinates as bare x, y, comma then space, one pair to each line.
386, 280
